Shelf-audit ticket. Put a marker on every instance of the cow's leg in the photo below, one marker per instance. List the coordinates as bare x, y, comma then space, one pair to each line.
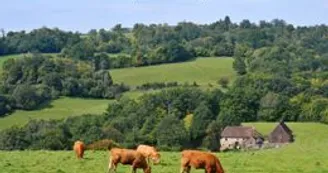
208, 170
111, 166
184, 169
134, 169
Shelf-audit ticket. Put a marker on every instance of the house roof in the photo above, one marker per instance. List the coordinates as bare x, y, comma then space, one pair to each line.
284, 127
240, 132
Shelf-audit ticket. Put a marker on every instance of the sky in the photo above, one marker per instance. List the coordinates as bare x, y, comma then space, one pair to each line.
83, 15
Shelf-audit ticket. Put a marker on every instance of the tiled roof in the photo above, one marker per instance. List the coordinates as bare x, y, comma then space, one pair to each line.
240, 132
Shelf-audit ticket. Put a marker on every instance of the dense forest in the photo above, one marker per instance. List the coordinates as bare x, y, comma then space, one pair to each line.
282, 74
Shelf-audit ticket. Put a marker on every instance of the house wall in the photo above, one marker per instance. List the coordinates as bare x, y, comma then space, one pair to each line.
230, 142
279, 136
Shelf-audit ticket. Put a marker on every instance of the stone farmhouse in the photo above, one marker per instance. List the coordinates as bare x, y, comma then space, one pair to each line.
245, 137
237, 137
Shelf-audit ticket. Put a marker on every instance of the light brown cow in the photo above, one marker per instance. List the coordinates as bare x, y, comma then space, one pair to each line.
128, 157
79, 148
150, 153
200, 160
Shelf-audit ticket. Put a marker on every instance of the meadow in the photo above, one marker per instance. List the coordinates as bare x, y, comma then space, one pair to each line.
202, 70
308, 154
57, 109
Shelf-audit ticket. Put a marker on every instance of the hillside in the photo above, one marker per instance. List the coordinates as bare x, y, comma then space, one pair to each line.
57, 109
202, 70
308, 154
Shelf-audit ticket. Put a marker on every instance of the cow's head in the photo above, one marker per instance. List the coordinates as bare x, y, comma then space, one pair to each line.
156, 157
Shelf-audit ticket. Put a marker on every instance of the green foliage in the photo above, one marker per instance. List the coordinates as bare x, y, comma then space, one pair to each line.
5, 106
202, 117
35, 80
155, 119
224, 81
28, 97
273, 107
170, 132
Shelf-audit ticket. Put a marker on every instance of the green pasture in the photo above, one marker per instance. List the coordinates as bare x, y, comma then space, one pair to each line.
308, 154
204, 71
57, 109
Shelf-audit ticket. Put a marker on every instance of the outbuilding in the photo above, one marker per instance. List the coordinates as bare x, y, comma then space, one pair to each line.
281, 134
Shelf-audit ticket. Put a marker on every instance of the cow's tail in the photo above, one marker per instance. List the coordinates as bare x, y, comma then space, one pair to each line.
219, 168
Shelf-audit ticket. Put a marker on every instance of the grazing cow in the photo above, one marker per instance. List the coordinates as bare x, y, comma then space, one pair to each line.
150, 153
79, 148
200, 160
128, 157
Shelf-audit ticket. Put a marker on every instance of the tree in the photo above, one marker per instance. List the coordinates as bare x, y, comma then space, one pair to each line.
5, 106
224, 81
83, 50
171, 132
212, 138
240, 54
273, 107
239, 105
26, 97
202, 117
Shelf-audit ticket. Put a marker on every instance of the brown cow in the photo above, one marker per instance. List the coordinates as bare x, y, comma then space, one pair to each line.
79, 148
128, 157
200, 160
150, 153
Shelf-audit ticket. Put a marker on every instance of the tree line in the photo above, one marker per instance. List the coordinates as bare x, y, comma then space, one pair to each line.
161, 43
159, 119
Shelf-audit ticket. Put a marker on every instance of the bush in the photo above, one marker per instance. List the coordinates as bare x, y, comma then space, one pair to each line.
104, 144
157, 85
223, 81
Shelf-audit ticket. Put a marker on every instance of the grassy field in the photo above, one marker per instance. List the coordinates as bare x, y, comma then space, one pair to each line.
202, 70
308, 154
57, 109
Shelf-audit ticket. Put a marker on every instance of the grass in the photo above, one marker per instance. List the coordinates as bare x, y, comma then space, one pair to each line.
58, 109
202, 70
307, 155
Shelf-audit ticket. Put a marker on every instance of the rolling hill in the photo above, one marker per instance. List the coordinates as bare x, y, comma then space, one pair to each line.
202, 70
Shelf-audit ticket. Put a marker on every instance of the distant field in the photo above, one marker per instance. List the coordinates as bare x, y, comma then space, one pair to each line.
309, 154
202, 70
57, 109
